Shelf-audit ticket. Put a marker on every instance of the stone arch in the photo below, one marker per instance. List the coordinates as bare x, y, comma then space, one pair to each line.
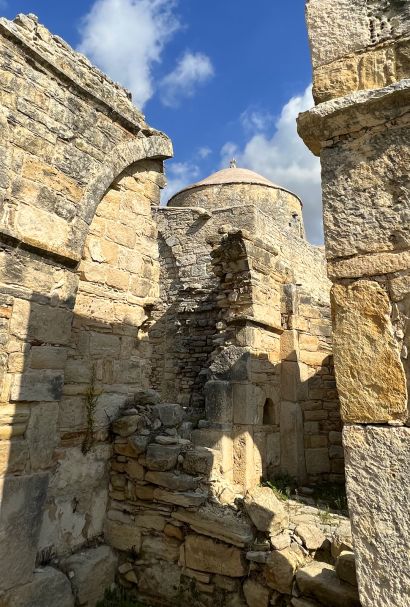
121, 157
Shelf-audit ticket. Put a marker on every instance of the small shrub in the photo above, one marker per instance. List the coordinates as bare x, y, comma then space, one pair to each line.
282, 487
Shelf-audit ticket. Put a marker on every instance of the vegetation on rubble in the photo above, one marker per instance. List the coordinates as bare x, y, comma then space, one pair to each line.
282, 487
91, 398
326, 496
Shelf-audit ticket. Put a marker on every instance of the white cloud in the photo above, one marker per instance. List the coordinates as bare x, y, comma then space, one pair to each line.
192, 70
125, 38
285, 160
179, 175
204, 152
256, 120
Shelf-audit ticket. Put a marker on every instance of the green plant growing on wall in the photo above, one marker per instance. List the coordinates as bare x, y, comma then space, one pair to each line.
91, 398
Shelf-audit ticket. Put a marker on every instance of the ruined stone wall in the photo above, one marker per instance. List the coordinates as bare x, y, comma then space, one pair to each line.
186, 538
265, 300
363, 140
69, 136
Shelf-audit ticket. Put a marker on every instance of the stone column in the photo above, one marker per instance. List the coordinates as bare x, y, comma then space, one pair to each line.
361, 129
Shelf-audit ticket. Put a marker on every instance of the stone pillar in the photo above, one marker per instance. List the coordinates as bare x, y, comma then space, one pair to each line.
361, 129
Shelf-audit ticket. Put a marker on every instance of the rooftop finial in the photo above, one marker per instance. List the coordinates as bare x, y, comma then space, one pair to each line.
233, 164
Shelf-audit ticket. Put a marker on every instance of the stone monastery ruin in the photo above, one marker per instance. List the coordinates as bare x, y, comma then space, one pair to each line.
161, 366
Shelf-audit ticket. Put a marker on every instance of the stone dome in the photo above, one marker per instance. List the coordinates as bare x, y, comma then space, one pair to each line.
238, 187
232, 175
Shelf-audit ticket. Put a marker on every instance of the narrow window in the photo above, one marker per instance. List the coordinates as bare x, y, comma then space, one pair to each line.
269, 413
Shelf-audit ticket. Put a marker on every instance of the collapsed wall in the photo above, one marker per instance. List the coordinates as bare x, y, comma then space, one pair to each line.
360, 53
80, 170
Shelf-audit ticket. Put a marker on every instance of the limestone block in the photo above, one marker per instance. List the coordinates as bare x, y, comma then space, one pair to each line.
164, 548
369, 372
172, 480
39, 385
248, 402
14, 456
293, 388
204, 554
319, 581
336, 29
162, 457
21, 513
186, 499
40, 322
265, 510
127, 425
311, 536
91, 572
317, 461
346, 567
256, 595
48, 357
170, 414
122, 537
41, 434
342, 539
218, 523
218, 401
161, 579
280, 569
368, 221
48, 588
289, 346
232, 364
291, 440
377, 474
199, 461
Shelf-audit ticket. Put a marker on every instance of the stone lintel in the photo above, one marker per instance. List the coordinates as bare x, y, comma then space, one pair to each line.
373, 264
353, 113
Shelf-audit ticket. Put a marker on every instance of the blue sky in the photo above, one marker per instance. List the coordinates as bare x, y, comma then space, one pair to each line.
221, 77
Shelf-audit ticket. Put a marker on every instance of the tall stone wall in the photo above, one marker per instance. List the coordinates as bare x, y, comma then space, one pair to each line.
80, 170
363, 141
245, 321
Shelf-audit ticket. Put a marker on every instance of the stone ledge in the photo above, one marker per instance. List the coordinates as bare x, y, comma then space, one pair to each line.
361, 110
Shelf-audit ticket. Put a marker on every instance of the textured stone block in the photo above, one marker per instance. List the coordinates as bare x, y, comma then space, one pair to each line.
91, 572
21, 514
218, 401
377, 476
38, 385
319, 581
369, 372
48, 588
204, 554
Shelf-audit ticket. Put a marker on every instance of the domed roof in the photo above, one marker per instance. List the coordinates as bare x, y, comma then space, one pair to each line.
232, 175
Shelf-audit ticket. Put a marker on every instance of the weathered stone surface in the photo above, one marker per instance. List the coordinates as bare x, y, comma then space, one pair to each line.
199, 461
346, 567
164, 548
127, 425
256, 595
342, 539
204, 554
265, 510
170, 414
37, 385
219, 523
319, 580
377, 467
172, 480
162, 457
48, 588
23, 500
311, 536
91, 572
146, 397
121, 536
369, 372
218, 401
160, 579
42, 434
280, 569
187, 499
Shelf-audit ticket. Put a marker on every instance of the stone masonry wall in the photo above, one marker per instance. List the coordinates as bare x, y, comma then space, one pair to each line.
69, 136
363, 140
185, 538
284, 329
